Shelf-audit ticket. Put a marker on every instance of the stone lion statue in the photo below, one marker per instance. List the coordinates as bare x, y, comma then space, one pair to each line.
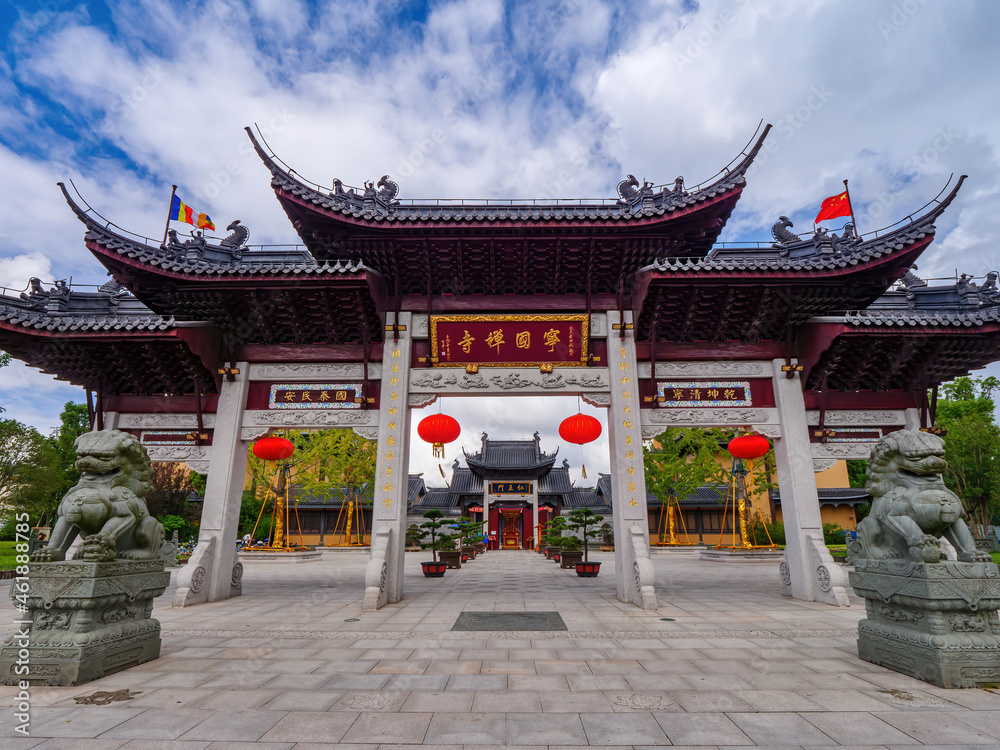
912, 509
106, 506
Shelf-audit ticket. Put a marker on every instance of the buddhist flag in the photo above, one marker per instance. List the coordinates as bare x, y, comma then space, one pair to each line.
180, 211
833, 207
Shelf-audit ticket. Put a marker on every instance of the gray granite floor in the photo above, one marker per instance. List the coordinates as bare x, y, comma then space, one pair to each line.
725, 662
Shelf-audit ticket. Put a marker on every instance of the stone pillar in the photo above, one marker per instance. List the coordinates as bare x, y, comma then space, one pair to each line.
808, 571
633, 566
213, 573
384, 574
912, 419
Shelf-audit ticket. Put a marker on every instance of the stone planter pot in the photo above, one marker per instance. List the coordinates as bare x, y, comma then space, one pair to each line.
570, 558
434, 569
550, 552
453, 558
470, 551
588, 569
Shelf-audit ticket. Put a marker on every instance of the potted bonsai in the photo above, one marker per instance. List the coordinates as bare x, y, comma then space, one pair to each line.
607, 537
448, 551
569, 553
430, 528
467, 532
582, 520
553, 535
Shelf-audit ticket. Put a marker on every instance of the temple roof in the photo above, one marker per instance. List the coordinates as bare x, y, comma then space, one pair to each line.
750, 294
107, 339
909, 338
502, 458
370, 205
508, 247
268, 296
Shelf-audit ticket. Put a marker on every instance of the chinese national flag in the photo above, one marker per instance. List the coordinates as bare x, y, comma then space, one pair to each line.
833, 207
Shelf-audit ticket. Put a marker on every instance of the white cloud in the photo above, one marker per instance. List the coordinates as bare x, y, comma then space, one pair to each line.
491, 99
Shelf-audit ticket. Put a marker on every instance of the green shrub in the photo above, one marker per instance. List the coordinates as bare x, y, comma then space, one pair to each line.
760, 530
833, 533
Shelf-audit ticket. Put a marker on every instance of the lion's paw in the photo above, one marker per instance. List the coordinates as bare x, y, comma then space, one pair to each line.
98, 549
926, 548
974, 556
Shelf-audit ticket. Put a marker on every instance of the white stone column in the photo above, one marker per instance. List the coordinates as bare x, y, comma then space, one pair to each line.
633, 566
384, 574
912, 417
213, 573
808, 571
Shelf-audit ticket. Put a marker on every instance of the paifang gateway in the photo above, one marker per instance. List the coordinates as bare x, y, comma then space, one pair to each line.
822, 343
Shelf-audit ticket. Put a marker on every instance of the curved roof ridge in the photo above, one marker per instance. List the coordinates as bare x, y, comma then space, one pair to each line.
382, 205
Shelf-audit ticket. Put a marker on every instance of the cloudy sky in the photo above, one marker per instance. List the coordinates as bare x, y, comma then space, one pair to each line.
482, 99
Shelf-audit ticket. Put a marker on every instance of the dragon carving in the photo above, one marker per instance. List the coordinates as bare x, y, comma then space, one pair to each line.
238, 237
106, 506
911, 506
628, 189
780, 231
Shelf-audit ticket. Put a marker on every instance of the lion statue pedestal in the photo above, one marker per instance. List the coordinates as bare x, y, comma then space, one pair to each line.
929, 618
90, 617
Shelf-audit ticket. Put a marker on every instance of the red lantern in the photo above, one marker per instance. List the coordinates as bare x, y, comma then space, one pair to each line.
749, 446
439, 429
580, 429
273, 448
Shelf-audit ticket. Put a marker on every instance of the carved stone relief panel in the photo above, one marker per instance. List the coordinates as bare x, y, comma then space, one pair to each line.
714, 370
314, 371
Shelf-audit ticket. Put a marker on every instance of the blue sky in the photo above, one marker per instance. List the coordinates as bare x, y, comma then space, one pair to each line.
485, 99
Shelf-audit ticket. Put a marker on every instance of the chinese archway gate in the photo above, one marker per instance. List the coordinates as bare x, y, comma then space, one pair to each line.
821, 343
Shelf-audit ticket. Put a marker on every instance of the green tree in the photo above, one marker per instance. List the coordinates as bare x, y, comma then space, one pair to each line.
972, 444
857, 473
324, 458
170, 498
29, 470
582, 519
73, 422
430, 527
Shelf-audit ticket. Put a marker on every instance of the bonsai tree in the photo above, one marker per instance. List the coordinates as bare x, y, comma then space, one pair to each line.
554, 531
469, 531
413, 535
582, 520
431, 528
608, 534
570, 543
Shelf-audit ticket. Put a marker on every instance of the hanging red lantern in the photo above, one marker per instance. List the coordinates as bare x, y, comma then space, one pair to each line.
749, 446
273, 448
580, 429
439, 429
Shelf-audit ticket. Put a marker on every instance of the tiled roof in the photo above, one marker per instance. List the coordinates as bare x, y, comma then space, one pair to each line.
208, 259
817, 253
382, 206
555, 482
509, 455
835, 496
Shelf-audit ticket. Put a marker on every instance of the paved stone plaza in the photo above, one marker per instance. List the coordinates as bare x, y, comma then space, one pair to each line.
294, 662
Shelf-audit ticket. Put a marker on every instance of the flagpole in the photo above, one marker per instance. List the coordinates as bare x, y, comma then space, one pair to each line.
170, 210
857, 231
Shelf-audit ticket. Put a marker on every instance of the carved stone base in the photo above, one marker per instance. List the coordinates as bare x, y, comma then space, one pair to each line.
289, 558
741, 555
936, 622
86, 620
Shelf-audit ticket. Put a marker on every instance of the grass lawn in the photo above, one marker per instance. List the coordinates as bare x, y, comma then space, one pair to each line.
7, 555
996, 556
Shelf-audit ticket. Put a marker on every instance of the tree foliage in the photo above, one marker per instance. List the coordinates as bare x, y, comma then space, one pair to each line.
326, 458
972, 444
30, 476
679, 461
170, 499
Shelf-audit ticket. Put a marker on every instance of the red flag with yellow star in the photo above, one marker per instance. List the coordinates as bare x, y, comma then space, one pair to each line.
834, 207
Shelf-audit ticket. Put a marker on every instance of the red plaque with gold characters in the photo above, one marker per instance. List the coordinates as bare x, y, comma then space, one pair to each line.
509, 340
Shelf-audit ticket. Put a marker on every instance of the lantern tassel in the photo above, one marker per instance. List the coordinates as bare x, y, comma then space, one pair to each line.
438, 450
584, 471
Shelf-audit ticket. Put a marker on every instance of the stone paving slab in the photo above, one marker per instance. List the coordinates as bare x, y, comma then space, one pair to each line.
280, 668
